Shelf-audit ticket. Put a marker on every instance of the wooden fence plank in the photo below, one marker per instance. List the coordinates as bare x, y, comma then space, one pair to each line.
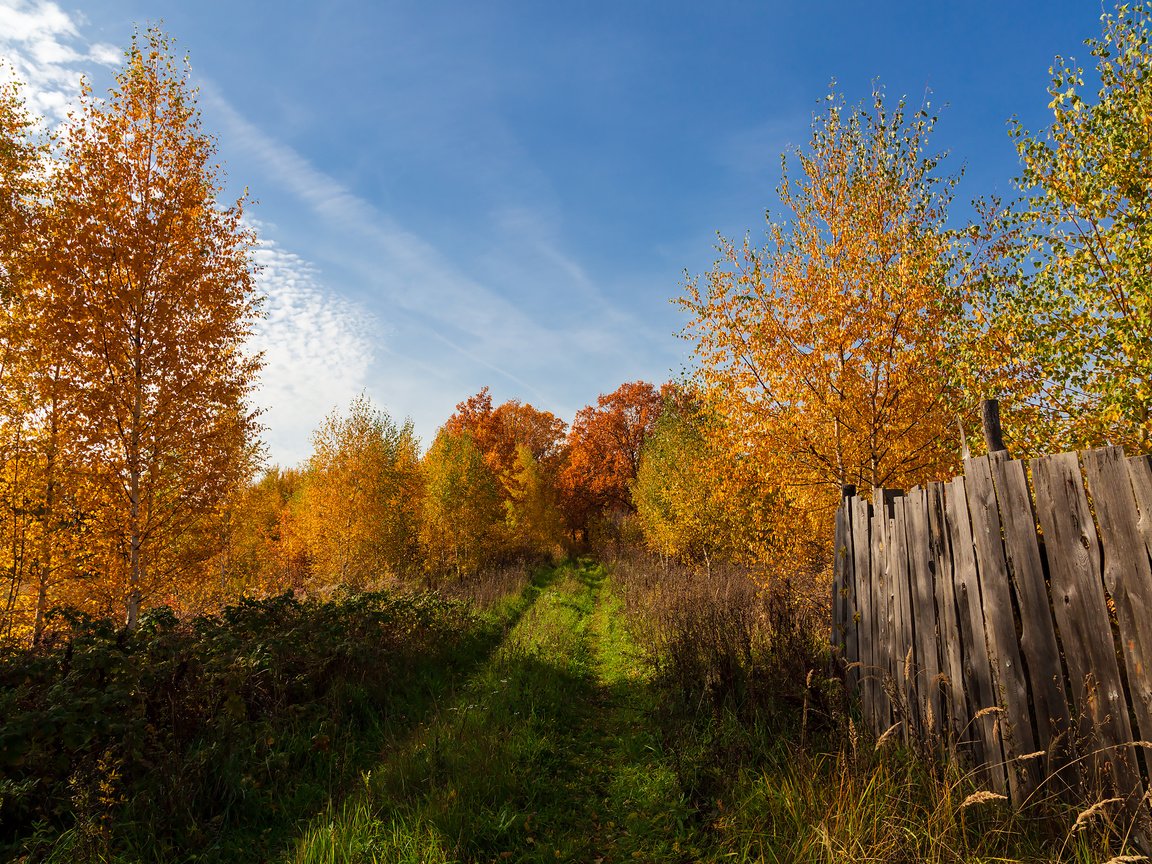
844, 599
861, 551
881, 609
955, 701
841, 546
982, 736
1082, 621
1127, 573
904, 644
1000, 628
1037, 629
930, 706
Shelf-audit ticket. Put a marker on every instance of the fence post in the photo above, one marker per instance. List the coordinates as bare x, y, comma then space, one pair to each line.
990, 418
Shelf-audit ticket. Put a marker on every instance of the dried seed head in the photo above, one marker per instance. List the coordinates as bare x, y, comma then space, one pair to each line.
888, 733
1083, 818
982, 797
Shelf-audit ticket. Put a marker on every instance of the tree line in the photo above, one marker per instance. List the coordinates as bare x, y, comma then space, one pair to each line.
851, 347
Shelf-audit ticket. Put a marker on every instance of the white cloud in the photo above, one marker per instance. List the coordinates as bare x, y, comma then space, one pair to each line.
41, 46
317, 350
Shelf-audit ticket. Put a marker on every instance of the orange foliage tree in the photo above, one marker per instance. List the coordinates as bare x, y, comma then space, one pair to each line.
19, 443
499, 432
524, 448
44, 538
152, 278
822, 352
604, 448
264, 550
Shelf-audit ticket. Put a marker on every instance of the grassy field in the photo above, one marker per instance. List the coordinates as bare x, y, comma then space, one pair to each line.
589, 714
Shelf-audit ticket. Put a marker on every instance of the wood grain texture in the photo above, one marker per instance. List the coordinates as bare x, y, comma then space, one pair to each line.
1127, 573
1076, 576
982, 735
1000, 627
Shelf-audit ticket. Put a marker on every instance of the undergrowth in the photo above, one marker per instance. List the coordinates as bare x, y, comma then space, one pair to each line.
210, 739
770, 752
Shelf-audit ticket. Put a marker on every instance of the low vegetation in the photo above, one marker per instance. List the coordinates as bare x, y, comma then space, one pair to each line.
209, 738
635, 710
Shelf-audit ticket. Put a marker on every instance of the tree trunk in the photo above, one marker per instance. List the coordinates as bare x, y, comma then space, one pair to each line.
135, 532
48, 522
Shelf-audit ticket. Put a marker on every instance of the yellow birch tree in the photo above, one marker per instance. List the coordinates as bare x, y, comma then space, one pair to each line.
361, 498
153, 276
820, 352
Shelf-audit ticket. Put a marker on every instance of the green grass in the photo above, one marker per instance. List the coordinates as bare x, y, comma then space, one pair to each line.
565, 747
558, 735
548, 755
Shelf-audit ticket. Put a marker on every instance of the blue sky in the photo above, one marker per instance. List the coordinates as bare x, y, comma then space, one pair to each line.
460, 194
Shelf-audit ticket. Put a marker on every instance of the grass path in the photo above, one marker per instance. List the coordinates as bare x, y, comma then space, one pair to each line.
547, 754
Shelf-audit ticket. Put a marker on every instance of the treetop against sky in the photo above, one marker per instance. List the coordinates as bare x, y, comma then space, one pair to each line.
461, 194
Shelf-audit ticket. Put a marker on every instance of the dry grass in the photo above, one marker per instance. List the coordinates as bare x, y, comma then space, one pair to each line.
490, 587
791, 776
718, 634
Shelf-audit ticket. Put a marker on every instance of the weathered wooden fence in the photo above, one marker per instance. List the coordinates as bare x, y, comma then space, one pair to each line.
1007, 615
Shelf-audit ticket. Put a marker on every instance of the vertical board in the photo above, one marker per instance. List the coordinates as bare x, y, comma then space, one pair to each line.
852, 603
904, 644
884, 616
1127, 573
860, 568
957, 714
1000, 628
981, 735
1037, 629
867, 628
920, 570
1082, 620
839, 565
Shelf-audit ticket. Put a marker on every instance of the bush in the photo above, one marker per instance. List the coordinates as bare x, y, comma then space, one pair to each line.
164, 736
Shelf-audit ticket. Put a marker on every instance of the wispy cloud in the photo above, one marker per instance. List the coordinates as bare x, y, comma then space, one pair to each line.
42, 47
359, 300
413, 274
427, 292
317, 349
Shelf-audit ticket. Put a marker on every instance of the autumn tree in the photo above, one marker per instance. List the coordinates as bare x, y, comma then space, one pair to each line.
41, 528
604, 447
1073, 298
524, 449
361, 497
152, 276
821, 352
18, 181
463, 507
535, 523
265, 550
694, 500
500, 431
